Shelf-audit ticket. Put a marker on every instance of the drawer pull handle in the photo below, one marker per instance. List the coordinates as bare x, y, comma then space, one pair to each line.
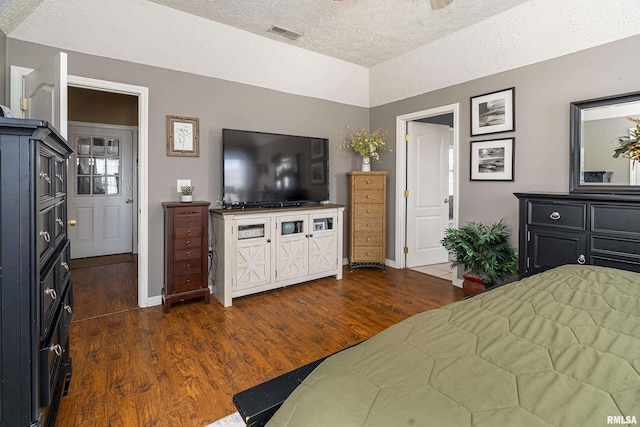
368, 239
65, 265
368, 181
188, 242
52, 293
189, 232
555, 216
59, 176
45, 235
60, 222
368, 196
68, 308
581, 259
188, 266
46, 177
188, 253
57, 349
189, 222
188, 281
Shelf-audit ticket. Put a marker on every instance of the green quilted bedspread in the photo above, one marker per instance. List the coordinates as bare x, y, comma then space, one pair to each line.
561, 348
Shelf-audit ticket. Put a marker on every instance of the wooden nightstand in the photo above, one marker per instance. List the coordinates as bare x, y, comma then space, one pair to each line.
186, 252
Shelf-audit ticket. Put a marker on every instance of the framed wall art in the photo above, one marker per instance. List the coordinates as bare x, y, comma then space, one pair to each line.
493, 112
183, 136
492, 160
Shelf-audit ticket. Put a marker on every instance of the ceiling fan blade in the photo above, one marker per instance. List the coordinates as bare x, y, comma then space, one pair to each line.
439, 4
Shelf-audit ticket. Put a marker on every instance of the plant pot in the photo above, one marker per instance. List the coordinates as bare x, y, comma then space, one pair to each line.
186, 198
366, 164
472, 285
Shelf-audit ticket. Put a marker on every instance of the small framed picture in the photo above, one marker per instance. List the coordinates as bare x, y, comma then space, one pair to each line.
317, 148
493, 112
183, 136
492, 160
319, 224
318, 172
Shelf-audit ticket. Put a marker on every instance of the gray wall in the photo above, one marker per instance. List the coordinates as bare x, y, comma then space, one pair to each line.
543, 94
3, 68
218, 104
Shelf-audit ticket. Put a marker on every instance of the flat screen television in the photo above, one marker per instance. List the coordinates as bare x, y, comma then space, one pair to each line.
266, 169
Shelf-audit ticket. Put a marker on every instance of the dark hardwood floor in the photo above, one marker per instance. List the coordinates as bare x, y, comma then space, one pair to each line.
140, 367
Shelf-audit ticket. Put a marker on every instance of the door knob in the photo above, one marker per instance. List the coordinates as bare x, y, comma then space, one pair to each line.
72, 222
129, 201
446, 200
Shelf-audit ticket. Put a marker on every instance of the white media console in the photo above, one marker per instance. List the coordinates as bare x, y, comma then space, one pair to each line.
258, 249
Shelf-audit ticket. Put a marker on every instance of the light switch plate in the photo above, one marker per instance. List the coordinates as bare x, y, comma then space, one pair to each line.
183, 182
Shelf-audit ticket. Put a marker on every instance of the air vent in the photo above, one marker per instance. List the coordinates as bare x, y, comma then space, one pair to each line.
293, 35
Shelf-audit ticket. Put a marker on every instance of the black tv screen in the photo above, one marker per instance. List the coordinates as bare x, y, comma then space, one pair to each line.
265, 169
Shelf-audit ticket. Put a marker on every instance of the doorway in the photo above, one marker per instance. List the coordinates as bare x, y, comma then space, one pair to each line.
426, 186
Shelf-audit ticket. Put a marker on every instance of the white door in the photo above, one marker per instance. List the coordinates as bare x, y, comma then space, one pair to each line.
428, 185
45, 89
101, 191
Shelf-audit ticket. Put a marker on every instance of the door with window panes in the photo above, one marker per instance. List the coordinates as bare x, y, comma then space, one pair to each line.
102, 196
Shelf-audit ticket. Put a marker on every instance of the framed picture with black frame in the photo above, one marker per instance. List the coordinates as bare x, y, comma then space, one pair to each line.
493, 160
493, 112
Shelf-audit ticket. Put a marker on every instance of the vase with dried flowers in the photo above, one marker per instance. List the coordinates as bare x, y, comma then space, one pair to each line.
629, 146
368, 145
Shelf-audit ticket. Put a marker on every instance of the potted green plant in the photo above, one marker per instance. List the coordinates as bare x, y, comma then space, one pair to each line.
186, 193
483, 251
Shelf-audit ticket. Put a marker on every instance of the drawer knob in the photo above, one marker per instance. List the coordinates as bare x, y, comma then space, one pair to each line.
188, 242
368, 239
189, 232
188, 253
68, 308
368, 196
45, 235
368, 181
65, 265
188, 266
57, 349
555, 216
581, 259
52, 293
188, 281
189, 222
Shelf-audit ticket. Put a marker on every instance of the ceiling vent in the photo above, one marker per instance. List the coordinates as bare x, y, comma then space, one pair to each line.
293, 35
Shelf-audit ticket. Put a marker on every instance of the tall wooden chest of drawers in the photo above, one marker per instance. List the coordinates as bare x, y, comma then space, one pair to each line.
35, 285
367, 219
186, 243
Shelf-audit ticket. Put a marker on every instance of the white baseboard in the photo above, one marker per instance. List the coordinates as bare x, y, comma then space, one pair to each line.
153, 301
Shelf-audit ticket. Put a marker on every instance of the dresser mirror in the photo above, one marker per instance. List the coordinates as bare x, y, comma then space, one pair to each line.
596, 125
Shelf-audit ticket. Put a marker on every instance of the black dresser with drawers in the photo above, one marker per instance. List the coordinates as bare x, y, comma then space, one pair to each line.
35, 287
594, 229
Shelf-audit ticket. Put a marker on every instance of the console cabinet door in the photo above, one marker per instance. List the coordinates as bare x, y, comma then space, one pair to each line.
253, 253
323, 243
292, 247
551, 248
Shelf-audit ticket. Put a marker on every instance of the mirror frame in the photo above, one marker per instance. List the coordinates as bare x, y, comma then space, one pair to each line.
575, 142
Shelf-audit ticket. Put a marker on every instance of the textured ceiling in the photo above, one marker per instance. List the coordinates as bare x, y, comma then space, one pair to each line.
365, 32
13, 12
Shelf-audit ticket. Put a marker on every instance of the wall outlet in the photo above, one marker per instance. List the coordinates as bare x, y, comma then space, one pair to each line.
183, 183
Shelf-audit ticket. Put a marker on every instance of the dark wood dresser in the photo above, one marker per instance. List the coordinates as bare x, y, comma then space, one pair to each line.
367, 219
186, 227
35, 287
557, 229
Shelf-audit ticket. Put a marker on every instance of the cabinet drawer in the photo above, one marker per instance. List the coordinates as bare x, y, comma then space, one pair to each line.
182, 221
551, 248
188, 282
188, 254
375, 182
368, 255
188, 211
188, 266
48, 300
615, 219
59, 221
363, 210
368, 239
187, 243
615, 246
369, 197
45, 178
187, 232
564, 215
60, 176
45, 235
51, 355
368, 225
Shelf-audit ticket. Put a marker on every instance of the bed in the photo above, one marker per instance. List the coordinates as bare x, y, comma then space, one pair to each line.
559, 348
